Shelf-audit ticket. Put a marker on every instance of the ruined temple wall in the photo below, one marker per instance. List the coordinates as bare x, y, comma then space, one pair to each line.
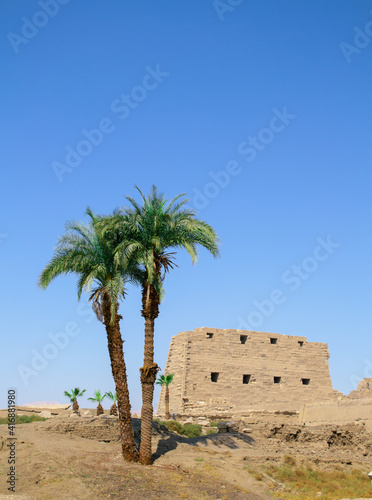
176, 363
194, 356
340, 412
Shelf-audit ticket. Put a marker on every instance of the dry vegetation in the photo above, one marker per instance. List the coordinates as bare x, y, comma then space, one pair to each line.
291, 482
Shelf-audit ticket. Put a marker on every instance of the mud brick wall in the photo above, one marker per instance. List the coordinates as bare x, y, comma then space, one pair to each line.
231, 371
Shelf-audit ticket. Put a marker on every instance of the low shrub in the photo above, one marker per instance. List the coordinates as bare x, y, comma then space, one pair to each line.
187, 430
212, 431
192, 430
23, 419
289, 460
215, 424
258, 476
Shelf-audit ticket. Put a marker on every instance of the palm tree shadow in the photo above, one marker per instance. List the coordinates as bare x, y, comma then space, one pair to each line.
231, 440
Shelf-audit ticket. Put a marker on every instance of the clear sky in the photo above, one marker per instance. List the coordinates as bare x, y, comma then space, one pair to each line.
260, 111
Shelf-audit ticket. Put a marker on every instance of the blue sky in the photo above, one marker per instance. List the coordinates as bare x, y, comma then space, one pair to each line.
259, 111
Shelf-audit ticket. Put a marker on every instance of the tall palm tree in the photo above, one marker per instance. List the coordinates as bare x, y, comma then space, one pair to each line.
166, 380
84, 251
113, 397
148, 232
98, 398
73, 395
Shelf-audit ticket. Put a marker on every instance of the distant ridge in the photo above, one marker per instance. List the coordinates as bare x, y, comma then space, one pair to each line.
42, 403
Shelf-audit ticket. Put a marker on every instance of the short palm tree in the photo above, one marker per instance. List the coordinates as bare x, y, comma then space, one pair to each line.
102, 271
73, 395
166, 380
148, 231
114, 408
98, 398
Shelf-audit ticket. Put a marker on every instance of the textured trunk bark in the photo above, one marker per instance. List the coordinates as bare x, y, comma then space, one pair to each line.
119, 373
167, 403
150, 311
114, 410
75, 406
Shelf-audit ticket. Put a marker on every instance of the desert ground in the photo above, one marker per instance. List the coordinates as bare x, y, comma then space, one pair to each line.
73, 457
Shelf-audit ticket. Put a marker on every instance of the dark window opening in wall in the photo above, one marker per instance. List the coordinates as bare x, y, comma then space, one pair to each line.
277, 380
243, 339
305, 381
246, 379
214, 376
300, 343
209, 335
273, 340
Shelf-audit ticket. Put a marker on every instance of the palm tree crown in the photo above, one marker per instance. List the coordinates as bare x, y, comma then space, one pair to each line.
98, 397
102, 270
165, 379
74, 394
149, 231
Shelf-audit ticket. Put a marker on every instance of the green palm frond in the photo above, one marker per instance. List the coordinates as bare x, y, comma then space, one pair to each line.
75, 393
165, 379
98, 397
111, 396
90, 253
151, 230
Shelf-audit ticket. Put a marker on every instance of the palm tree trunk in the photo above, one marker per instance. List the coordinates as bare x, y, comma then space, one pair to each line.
99, 410
119, 373
75, 406
167, 403
150, 311
114, 410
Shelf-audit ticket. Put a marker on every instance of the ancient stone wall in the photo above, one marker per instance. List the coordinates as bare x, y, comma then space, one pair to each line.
340, 412
364, 389
229, 372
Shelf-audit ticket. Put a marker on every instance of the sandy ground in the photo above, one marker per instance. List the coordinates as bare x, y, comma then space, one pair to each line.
53, 462
54, 466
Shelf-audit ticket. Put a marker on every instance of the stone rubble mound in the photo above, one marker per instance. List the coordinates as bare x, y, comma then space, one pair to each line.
103, 428
106, 428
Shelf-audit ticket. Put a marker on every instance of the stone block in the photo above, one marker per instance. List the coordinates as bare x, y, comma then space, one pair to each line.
222, 427
45, 414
